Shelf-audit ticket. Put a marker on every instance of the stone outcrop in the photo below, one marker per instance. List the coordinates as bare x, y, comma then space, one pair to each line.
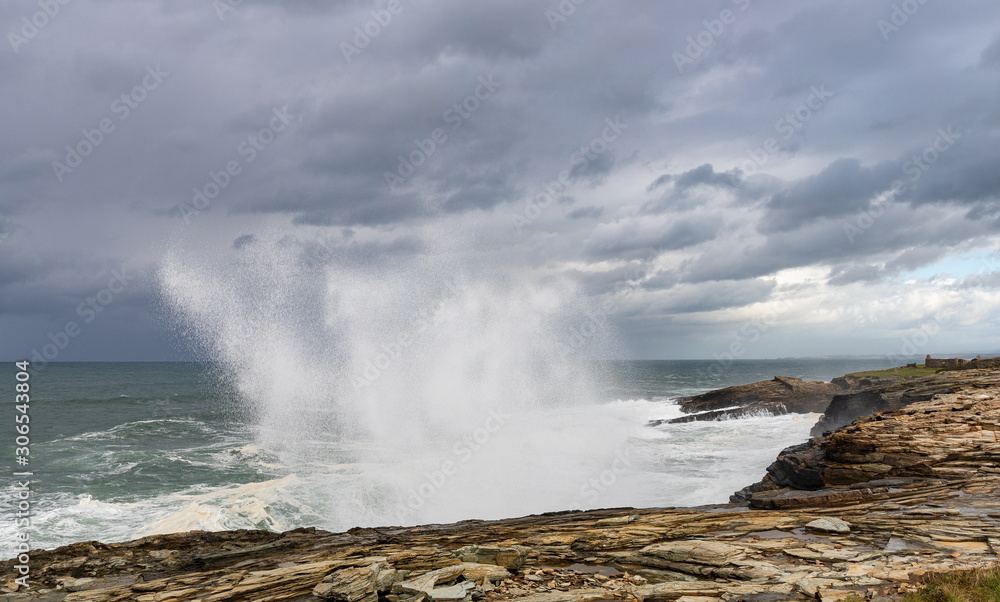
780, 395
868, 510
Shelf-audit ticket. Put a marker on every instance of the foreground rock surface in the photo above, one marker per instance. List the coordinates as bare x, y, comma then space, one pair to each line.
869, 510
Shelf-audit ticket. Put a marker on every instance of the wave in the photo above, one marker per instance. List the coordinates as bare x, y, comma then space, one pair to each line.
131, 430
240, 507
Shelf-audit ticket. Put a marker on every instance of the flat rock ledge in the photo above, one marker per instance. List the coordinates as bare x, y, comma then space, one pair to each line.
891, 500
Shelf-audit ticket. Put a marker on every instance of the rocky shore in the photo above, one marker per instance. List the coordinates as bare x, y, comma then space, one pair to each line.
909, 489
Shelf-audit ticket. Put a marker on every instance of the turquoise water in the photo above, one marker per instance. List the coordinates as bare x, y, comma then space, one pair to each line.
121, 450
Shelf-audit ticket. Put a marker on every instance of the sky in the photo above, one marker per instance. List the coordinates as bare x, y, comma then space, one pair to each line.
731, 178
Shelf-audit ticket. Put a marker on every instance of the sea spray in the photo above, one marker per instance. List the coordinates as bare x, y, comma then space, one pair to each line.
380, 383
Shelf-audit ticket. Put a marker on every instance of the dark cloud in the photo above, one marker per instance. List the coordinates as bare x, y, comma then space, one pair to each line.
456, 116
706, 175
829, 241
712, 296
916, 257
626, 237
966, 173
600, 282
593, 170
586, 213
660, 181
843, 188
680, 196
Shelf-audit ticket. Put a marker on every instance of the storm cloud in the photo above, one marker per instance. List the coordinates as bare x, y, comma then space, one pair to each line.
683, 147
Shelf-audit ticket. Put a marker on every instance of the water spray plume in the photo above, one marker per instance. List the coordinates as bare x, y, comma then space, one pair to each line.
405, 391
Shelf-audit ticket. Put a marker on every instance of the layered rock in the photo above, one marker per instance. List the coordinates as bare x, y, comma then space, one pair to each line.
847, 407
945, 429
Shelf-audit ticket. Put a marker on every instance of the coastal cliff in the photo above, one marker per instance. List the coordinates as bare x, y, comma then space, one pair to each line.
934, 430
870, 509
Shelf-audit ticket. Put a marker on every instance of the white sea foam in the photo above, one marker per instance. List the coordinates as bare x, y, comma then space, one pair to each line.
155, 426
244, 506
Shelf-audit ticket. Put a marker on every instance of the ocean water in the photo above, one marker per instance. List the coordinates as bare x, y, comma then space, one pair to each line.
122, 450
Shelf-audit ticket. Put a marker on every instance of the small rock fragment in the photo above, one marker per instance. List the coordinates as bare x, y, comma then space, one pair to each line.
828, 524
509, 557
349, 585
617, 520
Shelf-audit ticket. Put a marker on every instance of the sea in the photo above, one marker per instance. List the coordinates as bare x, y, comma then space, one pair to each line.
124, 450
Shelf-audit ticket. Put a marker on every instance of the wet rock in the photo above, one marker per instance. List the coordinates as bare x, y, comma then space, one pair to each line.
780, 395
